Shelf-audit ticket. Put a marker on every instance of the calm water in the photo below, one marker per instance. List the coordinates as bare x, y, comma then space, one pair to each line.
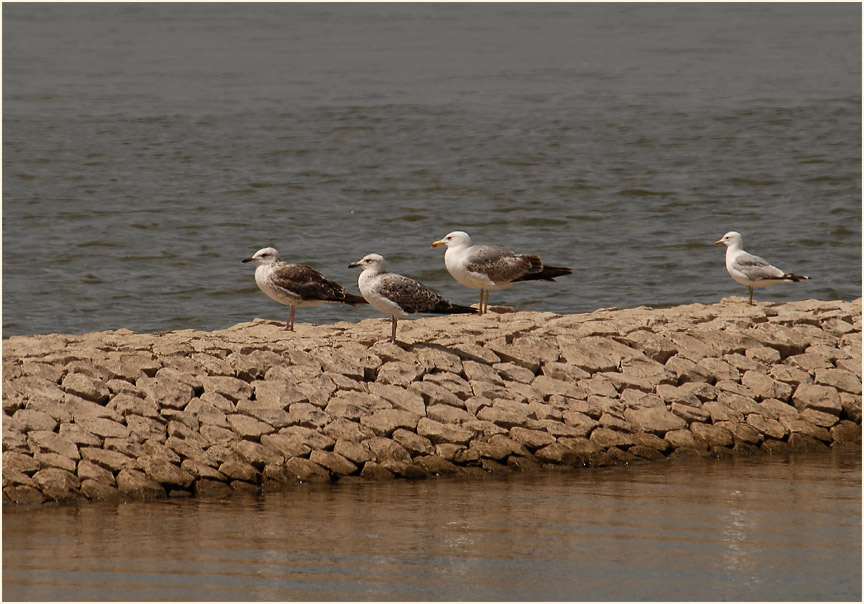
747, 529
147, 148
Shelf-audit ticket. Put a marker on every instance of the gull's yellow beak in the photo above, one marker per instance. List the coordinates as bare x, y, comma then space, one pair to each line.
438, 243
718, 242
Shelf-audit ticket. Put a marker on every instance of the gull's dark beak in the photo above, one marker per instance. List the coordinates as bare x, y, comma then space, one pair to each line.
247, 259
354, 265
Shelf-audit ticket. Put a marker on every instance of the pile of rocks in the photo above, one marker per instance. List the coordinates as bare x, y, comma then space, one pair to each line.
117, 414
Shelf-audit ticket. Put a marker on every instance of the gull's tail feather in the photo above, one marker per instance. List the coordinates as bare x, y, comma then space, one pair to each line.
795, 278
452, 309
547, 274
353, 299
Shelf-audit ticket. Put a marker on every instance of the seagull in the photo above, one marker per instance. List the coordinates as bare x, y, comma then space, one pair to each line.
397, 295
489, 267
296, 285
751, 270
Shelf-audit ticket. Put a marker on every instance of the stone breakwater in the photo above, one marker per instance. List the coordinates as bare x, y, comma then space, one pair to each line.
117, 414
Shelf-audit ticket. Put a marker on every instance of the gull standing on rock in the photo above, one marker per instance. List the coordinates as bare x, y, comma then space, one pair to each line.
296, 285
751, 270
489, 267
397, 295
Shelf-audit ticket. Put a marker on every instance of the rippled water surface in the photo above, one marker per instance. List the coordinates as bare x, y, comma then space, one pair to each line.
147, 148
748, 529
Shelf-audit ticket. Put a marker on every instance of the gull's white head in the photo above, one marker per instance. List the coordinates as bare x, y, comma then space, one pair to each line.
267, 255
454, 239
732, 239
374, 262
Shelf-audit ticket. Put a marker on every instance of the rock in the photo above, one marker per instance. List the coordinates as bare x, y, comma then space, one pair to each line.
87, 470
86, 387
390, 454
548, 386
53, 460
230, 387
35, 421
674, 395
842, 380
819, 418
595, 354
607, 437
809, 362
398, 373
112, 461
137, 485
802, 443
790, 375
356, 452
515, 373
51, 442
201, 470
531, 439
448, 415
437, 432
105, 428
804, 428
345, 429
257, 454
248, 427
448, 382
768, 427
401, 398
236, 469
528, 352
165, 473
511, 392
275, 394
712, 435
99, 491
374, 471
166, 391
742, 433
764, 387
414, 443
685, 439
334, 462
851, 404
846, 432
690, 414
433, 394
384, 422
312, 438
819, 398
499, 447
686, 370
655, 420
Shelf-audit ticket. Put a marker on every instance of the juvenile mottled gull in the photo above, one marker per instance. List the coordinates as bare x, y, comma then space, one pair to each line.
751, 270
489, 267
397, 295
296, 285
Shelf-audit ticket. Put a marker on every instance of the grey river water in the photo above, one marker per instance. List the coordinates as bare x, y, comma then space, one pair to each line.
745, 529
149, 147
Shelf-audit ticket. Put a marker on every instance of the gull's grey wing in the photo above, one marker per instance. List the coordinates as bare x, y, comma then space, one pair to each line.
756, 268
411, 295
501, 265
307, 283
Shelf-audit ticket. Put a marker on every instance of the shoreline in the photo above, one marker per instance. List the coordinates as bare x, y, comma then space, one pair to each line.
119, 415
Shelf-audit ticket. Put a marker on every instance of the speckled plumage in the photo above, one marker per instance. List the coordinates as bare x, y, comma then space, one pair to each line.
397, 295
296, 285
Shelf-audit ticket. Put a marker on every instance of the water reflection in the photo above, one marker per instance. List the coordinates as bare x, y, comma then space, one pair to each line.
754, 529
